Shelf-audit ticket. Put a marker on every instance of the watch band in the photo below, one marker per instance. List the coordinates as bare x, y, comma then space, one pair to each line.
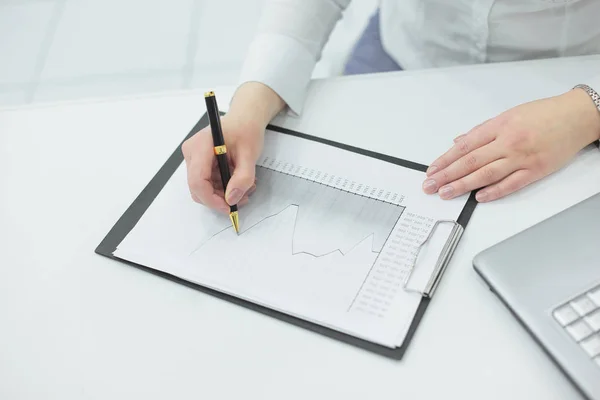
595, 98
592, 93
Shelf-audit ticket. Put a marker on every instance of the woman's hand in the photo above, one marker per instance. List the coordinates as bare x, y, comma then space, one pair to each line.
252, 107
516, 148
244, 143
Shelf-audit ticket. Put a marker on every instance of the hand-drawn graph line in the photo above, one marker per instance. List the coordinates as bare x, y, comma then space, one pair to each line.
358, 243
401, 198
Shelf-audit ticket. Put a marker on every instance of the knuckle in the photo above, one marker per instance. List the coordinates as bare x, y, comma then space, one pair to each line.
495, 192
196, 198
521, 142
459, 187
509, 186
185, 147
463, 146
504, 120
195, 186
515, 142
488, 173
198, 141
469, 161
441, 161
538, 163
445, 175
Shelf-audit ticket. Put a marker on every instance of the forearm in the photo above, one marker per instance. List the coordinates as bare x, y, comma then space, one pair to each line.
255, 103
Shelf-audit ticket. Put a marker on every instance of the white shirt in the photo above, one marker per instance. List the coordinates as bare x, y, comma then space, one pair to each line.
421, 34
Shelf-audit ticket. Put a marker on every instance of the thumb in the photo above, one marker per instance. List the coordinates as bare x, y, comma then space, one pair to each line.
242, 179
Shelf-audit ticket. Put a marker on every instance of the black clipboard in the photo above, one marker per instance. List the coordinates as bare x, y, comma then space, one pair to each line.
139, 206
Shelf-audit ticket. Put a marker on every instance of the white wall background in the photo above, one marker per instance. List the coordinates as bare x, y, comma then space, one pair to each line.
53, 50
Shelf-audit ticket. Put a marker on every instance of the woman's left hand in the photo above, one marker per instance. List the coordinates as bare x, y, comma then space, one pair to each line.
516, 148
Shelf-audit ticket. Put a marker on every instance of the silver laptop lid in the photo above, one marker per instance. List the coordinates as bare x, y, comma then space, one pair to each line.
543, 268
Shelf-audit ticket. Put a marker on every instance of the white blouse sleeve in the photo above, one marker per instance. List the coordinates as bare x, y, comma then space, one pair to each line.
290, 38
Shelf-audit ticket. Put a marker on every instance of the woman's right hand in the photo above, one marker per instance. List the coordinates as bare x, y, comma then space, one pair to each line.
244, 143
253, 106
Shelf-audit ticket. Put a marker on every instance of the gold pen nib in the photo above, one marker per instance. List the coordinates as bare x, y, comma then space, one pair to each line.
235, 221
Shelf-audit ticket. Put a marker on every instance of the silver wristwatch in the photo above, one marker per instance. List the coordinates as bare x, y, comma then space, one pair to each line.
595, 98
592, 93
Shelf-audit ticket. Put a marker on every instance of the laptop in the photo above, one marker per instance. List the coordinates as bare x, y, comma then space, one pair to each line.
549, 277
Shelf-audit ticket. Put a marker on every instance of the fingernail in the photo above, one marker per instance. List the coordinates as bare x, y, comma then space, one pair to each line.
429, 185
481, 196
431, 169
456, 139
446, 192
234, 196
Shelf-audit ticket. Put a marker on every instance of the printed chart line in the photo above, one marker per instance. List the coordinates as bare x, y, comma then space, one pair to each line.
370, 235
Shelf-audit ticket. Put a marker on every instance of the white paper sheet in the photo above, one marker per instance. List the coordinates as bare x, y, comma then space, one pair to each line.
329, 236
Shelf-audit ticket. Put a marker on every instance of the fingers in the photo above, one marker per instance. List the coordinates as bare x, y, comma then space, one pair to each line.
484, 176
201, 187
204, 179
512, 183
246, 199
464, 166
463, 145
221, 194
474, 130
242, 180
456, 139
198, 156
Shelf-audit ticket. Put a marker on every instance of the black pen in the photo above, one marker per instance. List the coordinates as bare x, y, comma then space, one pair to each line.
220, 151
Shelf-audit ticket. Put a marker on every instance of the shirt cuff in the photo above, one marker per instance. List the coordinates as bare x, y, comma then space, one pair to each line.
282, 64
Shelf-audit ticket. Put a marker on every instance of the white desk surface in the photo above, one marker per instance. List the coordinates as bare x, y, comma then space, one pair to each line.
75, 325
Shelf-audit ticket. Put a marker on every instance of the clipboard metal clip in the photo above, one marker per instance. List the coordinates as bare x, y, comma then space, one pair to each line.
442, 260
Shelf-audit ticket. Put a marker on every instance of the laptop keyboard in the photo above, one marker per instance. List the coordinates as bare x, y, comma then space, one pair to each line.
580, 317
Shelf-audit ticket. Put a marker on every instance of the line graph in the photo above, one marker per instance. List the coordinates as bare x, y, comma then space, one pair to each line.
342, 219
